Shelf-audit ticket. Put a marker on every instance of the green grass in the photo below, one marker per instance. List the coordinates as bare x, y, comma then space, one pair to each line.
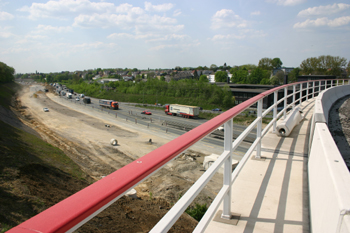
197, 212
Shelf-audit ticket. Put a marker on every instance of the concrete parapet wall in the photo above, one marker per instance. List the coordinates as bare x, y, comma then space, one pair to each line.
327, 98
329, 177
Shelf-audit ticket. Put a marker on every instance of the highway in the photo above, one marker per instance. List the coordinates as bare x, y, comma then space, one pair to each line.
172, 124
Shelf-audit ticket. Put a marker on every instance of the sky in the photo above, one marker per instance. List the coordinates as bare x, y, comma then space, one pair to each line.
69, 35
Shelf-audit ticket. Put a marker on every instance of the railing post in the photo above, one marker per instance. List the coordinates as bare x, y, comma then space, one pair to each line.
337, 82
301, 93
293, 97
307, 91
285, 102
258, 130
228, 128
313, 89
275, 99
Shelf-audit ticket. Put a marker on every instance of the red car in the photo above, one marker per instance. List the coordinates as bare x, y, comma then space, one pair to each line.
146, 112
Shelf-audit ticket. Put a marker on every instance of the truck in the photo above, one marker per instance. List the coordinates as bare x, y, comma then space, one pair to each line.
87, 100
69, 95
109, 104
182, 110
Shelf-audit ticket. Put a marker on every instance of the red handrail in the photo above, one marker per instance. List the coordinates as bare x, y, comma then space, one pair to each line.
99, 195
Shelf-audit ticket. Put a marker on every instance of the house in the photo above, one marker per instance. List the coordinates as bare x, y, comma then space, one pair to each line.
96, 77
183, 75
127, 77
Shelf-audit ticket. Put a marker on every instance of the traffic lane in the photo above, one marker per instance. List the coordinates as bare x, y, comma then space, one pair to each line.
147, 123
126, 107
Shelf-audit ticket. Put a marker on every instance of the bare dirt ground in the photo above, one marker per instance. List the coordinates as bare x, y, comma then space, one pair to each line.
339, 125
85, 139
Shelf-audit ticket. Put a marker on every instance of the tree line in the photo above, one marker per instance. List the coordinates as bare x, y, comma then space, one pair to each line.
6, 73
186, 91
262, 73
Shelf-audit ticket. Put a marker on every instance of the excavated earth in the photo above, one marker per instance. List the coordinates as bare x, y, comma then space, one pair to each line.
85, 139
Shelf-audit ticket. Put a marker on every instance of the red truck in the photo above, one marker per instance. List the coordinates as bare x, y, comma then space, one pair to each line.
109, 104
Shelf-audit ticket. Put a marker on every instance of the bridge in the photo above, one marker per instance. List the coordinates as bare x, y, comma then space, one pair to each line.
298, 183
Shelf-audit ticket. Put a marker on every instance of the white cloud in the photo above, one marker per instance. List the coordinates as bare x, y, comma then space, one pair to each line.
177, 12
169, 38
5, 16
227, 19
63, 8
5, 33
148, 37
324, 10
255, 13
124, 35
46, 28
35, 37
242, 34
178, 46
139, 23
321, 22
158, 8
287, 2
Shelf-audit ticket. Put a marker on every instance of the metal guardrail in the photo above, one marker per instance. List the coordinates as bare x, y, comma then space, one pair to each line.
69, 214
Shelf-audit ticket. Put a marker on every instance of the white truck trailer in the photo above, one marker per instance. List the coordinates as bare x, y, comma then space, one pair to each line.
182, 110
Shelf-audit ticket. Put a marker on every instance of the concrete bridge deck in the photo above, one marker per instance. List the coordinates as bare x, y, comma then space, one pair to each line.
271, 194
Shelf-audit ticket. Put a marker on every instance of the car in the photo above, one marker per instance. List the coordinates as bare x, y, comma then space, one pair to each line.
77, 99
146, 112
216, 110
45, 109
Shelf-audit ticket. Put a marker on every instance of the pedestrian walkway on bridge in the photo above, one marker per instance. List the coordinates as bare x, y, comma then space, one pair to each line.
271, 194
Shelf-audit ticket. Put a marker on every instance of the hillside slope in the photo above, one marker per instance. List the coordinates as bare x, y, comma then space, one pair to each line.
34, 175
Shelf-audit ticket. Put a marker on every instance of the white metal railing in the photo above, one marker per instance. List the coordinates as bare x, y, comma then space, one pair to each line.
88, 202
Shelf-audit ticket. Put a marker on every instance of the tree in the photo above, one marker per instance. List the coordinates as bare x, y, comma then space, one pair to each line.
276, 63
348, 69
221, 76
258, 75
6, 73
265, 63
203, 78
280, 76
195, 75
274, 80
293, 75
213, 67
239, 75
323, 65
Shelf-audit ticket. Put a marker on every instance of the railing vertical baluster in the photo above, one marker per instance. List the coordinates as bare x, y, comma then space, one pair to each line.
285, 102
307, 91
294, 96
275, 99
301, 93
313, 89
228, 128
258, 129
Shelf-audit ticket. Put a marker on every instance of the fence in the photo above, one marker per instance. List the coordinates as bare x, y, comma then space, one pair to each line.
69, 214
